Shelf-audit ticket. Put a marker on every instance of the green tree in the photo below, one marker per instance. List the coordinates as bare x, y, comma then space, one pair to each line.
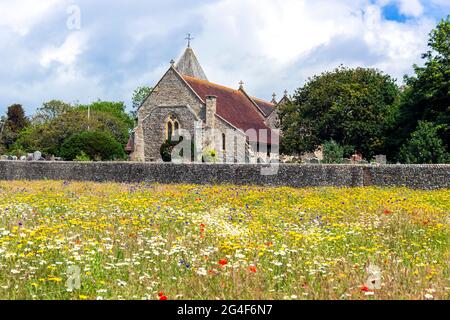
15, 122
139, 96
116, 109
2, 127
96, 145
425, 146
332, 152
48, 137
426, 95
354, 107
51, 110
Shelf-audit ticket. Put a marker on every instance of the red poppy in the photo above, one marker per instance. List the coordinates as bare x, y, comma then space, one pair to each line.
162, 296
223, 262
365, 289
269, 244
387, 212
252, 269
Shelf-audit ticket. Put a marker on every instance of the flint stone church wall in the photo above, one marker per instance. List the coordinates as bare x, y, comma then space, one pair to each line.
293, 175
173, 95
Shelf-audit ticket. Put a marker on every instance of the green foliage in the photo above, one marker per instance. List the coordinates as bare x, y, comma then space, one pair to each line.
16, 119
425, 146
115, 109
48, 137
16, 151
210, 156
50, 110
13, 124
95, 144
139, 96
82, 157
426, 95
354, 107
167, 148
332, 152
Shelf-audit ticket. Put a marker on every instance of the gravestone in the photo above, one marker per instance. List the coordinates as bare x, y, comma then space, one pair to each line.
14, 158
30, 157
3, 158
23, 158
37, 155
381, 159
10, 158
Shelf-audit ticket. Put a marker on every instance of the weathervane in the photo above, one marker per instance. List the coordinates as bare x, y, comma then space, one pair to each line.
189, 38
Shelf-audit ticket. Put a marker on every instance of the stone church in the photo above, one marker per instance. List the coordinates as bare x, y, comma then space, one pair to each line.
185, 99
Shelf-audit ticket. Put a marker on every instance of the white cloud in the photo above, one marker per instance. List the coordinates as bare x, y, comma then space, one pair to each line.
411, 7
67, 53
22, 15
270, 44
274, 44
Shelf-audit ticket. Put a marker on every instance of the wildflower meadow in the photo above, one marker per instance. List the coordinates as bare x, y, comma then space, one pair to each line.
79, 240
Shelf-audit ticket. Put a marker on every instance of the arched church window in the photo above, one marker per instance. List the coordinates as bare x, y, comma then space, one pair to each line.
177, 126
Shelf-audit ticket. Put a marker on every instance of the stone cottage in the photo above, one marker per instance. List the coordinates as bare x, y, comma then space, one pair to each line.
184, 99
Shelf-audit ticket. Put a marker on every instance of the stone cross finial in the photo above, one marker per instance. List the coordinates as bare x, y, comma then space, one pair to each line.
274, 98
241, 84
189, 38
172, 62
285, 93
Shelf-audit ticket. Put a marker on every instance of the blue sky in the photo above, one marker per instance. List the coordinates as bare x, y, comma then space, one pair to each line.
271, 45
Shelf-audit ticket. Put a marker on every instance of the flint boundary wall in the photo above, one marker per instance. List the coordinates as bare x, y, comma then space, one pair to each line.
293, 175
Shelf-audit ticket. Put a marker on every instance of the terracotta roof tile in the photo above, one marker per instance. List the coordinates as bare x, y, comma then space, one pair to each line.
266, 107
232, 105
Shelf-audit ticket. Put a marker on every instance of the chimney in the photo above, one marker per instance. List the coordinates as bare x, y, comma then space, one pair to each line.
211, 107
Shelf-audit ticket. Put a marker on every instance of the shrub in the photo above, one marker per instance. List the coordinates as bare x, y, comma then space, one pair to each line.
82, 157
95, 145
425, 146
332, 152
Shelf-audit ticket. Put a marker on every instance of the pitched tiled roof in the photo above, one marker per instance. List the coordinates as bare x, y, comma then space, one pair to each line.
266, 107
232, 105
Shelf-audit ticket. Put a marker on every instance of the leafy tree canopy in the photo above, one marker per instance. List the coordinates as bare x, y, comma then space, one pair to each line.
425, 146
50, 110
426, 96
13, 124
353, 107
49, 136
139, 96
116, 109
